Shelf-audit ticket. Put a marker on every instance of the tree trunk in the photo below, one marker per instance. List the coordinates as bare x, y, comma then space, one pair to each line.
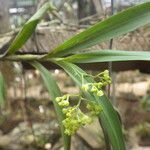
4, 16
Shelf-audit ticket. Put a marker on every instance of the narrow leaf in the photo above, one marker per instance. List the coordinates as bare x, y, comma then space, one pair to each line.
54, 92
108, 116
108, 55
114, 26
28, 28
2, 90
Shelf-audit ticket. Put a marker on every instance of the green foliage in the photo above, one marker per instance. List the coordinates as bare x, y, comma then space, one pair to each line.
94, 108
54, 92
108, 116
114, 26
2, 90
107, 55
75, 117
96, 88
143, 130
29, 28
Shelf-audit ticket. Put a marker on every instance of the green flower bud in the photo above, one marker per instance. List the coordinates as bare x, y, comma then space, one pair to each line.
64, 103
105, 83
100, 85
105, 72
64, 110
67, 132
68, 114
86, 120
64, 97
75, 118
60, 103
106, 77
70, 111
94, 108
94, 89
58, 99
85, 87
100, 93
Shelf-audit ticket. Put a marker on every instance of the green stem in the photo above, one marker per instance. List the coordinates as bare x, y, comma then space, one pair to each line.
27, 57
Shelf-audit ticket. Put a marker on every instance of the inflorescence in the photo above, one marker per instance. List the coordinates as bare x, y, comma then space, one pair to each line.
75, 117
103, 78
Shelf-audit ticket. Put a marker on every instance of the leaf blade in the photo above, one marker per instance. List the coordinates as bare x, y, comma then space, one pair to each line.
107, 56
114, 26
28, 29
2, 90
54, 91
109, 117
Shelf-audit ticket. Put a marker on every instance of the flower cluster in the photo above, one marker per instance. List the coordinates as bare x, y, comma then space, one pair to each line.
94, 108
63, 101
75, 118
104, 79
94, 88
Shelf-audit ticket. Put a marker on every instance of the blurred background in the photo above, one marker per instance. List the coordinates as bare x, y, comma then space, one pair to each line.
27, 117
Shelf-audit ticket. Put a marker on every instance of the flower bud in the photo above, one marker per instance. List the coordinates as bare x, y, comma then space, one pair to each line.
64, 97
85, 87
99, 85
58, 99
100, 93
105, 72
64, 110
94, 89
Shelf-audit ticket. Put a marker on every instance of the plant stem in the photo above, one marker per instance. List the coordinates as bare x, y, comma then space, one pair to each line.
25, 57
28, 57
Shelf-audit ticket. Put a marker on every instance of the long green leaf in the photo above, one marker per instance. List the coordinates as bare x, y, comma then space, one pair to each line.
108, 117
28, 28
54, 92
2, 90
108, 55
119, 24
